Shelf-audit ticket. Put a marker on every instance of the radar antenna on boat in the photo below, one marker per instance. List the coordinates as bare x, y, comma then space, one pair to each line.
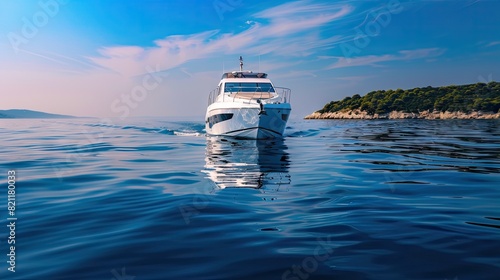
241, 64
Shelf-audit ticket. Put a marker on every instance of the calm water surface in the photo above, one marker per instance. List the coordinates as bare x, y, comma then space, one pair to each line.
156, 199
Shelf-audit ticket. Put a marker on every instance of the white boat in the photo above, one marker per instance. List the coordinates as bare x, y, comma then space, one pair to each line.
247, 105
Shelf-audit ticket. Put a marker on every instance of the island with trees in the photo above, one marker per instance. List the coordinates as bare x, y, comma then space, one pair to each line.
473, 101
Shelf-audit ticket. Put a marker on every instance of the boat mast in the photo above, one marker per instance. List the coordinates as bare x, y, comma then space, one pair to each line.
241, 64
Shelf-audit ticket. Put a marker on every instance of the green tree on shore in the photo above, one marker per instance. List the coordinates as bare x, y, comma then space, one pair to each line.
464, 98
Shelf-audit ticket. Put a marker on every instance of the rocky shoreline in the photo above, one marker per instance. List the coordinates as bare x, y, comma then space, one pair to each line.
435, 115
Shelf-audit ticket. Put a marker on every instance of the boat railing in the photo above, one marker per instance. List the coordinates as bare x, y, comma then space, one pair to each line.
284, 93
248, 94
212, 97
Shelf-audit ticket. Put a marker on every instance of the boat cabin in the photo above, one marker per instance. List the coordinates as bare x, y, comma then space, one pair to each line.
239, 81
243, 74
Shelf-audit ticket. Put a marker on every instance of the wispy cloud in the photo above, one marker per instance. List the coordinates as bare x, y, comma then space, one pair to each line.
44, 60
376, 60
288, 29
491, 44
300, 16
355, 79
470, 3
59, 61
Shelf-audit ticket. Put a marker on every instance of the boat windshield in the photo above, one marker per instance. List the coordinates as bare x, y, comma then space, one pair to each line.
248, 87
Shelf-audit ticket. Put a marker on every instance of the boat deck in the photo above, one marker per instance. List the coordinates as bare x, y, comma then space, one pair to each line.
253, 95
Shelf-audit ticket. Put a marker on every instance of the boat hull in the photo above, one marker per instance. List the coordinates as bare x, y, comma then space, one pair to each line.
249, 122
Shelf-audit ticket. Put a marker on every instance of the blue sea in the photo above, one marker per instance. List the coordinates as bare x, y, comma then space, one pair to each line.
153, 198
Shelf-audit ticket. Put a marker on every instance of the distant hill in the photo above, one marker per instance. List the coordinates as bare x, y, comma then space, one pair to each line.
29, 114
428, 102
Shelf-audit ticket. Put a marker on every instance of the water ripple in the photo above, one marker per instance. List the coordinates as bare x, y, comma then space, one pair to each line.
340, 199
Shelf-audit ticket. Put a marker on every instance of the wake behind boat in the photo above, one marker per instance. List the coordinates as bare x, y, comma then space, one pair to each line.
247, 105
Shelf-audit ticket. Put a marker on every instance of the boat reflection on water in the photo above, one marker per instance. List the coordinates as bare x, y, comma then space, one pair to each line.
235, 163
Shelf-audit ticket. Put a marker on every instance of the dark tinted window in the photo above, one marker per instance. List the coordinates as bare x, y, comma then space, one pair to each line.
248, 87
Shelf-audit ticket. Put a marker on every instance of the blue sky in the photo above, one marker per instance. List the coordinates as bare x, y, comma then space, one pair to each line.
161, 58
